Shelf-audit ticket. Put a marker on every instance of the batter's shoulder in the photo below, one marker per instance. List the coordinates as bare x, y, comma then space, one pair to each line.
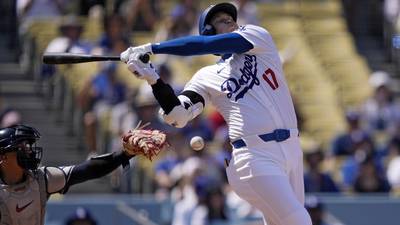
253, 28
207, 70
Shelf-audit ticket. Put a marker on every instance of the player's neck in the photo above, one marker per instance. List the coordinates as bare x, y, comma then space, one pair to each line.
11, 176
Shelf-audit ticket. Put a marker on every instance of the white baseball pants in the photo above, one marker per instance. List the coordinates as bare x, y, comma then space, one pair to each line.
269, 175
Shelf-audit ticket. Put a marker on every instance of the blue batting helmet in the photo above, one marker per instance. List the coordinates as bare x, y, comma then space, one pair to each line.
205, 27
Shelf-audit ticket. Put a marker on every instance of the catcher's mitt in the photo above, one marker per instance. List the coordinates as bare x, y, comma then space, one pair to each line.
144, 142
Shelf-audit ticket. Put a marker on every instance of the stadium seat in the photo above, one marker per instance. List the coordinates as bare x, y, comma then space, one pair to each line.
329, 25
320, 9
278, 9
282, 26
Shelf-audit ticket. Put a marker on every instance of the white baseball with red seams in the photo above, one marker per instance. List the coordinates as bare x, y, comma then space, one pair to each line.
197, 143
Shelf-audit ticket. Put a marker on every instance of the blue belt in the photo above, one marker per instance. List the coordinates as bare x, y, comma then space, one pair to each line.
277, 135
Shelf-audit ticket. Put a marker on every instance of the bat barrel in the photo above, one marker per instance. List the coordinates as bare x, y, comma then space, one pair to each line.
67, 58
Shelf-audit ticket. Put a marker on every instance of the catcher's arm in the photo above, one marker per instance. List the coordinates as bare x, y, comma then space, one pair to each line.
96, 167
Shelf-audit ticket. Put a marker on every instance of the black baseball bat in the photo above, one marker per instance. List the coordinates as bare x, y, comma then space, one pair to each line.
68, 58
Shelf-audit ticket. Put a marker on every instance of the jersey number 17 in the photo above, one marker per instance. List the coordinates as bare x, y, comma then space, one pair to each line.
270, 78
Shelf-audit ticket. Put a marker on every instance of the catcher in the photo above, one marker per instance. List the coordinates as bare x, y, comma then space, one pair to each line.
25, 187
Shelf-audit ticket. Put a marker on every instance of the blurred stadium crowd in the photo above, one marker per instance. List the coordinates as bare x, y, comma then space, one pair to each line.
349, 114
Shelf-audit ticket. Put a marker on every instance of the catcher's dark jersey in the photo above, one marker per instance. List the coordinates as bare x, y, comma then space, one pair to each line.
25, 203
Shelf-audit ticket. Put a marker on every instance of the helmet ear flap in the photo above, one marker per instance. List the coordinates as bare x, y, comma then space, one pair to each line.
209, 30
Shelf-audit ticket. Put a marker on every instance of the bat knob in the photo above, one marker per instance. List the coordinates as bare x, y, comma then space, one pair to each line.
144, 58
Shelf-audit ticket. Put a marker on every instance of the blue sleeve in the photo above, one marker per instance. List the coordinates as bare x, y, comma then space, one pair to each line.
200, 45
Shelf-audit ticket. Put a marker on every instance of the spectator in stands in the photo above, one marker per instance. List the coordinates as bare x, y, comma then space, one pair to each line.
97, 98
344, 144
140, 105
216, 120
81, 216
393, 168
141, 15
147, 112
123, 118
166, 176
86, 6
211, 202
381, 111
314, 179
363, 149
165, 180
215, 202
370, 179
200, 190
69, 41
115, 32
40, 8
187, 196
180, 22
316, 210
213, 170
29, 10
147, 109
391, 13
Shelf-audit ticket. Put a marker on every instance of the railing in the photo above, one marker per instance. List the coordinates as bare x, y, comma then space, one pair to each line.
147, 210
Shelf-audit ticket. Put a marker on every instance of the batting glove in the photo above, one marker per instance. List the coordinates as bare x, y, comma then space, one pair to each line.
141, 50
144, 71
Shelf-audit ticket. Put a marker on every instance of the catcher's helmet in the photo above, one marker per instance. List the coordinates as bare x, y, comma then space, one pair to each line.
205, 27
12, 137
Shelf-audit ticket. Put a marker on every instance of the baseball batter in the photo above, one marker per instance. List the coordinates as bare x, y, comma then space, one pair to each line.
25, 188
248, 87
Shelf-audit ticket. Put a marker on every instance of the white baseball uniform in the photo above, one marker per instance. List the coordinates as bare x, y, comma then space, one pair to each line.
251, 93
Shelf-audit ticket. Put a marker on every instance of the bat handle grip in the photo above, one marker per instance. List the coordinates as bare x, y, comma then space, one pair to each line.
144, 58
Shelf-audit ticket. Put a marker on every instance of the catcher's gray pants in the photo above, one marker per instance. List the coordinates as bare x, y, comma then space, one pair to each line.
269, 175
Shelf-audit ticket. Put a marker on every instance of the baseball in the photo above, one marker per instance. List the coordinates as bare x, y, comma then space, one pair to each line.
197, 143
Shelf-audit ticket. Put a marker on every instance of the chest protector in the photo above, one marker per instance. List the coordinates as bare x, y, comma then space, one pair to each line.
24, 203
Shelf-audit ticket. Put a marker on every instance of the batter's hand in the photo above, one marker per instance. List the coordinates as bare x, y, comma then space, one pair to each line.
140, 50
144, 71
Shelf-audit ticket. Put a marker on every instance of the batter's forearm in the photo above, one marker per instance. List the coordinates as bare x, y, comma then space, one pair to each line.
201, 45
165, 96
178, 110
